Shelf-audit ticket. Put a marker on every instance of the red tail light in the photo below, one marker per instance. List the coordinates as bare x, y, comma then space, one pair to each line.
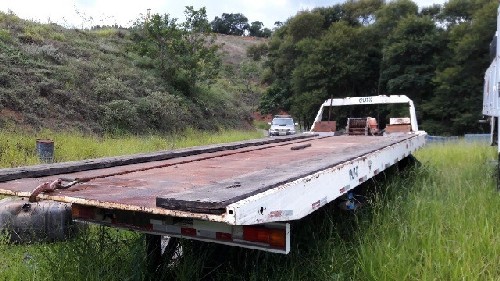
188, 231
274, 237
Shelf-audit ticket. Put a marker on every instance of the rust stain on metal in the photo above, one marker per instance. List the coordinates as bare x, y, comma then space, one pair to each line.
44, 187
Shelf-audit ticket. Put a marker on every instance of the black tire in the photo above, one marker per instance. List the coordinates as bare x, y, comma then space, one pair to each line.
408, 162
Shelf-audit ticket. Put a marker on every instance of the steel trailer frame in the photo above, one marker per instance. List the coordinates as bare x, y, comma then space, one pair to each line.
260, 220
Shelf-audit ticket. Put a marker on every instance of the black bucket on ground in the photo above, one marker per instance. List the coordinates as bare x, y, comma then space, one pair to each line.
45, 150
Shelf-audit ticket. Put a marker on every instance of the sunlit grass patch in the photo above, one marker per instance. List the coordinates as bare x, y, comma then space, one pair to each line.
18, 149
437, 221
444, 227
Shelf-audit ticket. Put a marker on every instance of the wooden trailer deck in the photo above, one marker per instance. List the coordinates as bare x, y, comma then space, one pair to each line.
202, 182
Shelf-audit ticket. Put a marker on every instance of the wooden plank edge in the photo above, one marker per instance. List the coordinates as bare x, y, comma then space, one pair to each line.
43, 170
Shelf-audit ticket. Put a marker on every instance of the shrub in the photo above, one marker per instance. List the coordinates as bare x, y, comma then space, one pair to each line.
256, 52
163, 112
119, 116
5, 36
108, 88
105, 32
4, 79
47, 51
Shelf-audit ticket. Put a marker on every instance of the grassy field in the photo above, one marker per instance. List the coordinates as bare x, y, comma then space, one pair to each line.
438, 221
17, 149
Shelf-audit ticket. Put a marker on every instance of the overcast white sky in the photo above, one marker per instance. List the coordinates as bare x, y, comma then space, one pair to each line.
77, 13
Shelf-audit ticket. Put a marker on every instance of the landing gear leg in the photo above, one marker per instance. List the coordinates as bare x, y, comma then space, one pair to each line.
494, 130
498, 172
153, 251
159, 254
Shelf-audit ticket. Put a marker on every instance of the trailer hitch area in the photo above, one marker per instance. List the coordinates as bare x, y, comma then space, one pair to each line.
61, 183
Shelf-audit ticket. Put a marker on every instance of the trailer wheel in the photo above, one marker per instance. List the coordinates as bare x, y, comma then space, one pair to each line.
159, 254
408, 162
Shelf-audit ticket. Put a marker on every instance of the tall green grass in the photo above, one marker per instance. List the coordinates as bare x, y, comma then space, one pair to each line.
99, 253
438, 221
18, 149
445, 227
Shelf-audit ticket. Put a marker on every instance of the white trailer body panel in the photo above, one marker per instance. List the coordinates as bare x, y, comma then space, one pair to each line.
301, 197
491, 93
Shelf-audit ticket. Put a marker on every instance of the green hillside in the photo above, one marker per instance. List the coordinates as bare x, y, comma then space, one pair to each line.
96, 81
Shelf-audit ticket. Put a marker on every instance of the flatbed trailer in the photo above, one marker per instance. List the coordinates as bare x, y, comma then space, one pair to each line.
242, 194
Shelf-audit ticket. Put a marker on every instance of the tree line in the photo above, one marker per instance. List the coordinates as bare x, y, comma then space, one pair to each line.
237, 24
436, 55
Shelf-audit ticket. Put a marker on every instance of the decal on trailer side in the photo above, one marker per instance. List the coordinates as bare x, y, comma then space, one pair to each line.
353, 173
316, 205
365, 100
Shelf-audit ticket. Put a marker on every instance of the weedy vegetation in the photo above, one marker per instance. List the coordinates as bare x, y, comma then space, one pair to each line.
435, 221
17, 148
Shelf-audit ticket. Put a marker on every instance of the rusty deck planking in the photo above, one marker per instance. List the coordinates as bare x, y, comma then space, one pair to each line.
206, 182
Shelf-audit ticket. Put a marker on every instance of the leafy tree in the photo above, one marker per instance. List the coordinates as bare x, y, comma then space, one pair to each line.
433, 11
331, 14
455, 106
256, 29
458, 11
257, 51
230, 24
250, 72
276, 97
335, 65
305, 25
366, 47
389, 15
278, 24
361, 11
409, 58
266, 32
184, 54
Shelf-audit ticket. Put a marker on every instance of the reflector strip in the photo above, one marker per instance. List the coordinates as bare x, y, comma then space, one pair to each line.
188, 231
223, 236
